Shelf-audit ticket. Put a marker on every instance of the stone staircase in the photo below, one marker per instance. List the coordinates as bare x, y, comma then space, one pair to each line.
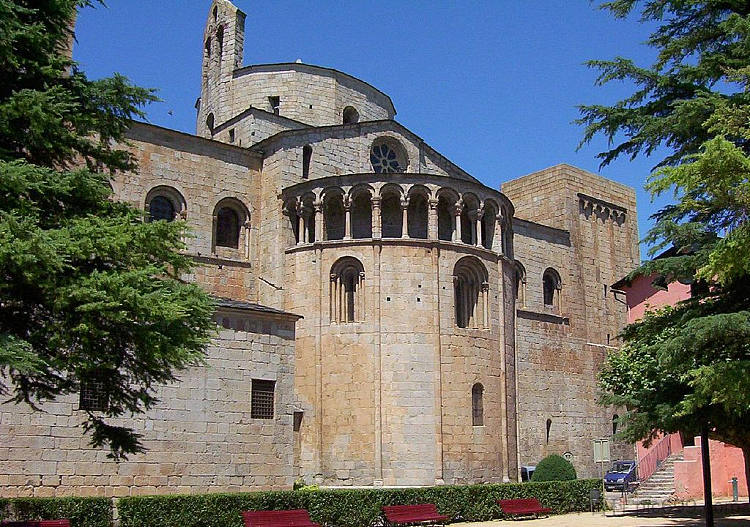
660, 486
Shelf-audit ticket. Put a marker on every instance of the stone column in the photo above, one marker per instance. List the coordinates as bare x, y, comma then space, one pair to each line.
246, 226
457, 221
376, 227
348, 223
497, 236
479, 227
318, 207
306, 217
405, 218
432, 219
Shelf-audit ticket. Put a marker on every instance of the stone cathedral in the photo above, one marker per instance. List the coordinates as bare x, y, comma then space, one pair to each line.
385, 318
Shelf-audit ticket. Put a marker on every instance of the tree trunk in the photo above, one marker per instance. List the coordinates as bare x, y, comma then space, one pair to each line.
746, 454
707, 498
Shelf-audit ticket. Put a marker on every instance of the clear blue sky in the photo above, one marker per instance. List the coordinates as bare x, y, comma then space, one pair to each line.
493, 85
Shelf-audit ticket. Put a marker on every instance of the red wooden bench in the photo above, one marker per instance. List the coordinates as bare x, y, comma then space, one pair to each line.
35, 523
409, 514
290, 518
523, 507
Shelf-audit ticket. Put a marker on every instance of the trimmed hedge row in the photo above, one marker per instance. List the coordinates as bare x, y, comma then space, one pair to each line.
82, 512
349, 508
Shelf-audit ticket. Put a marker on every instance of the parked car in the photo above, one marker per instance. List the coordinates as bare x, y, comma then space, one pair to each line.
622, 475
527, 471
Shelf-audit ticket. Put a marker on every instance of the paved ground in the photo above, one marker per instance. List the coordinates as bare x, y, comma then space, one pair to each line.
634, 519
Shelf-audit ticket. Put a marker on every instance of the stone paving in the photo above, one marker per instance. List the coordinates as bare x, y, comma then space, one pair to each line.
588, 519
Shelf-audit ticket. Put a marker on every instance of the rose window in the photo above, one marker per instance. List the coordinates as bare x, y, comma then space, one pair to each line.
384, 159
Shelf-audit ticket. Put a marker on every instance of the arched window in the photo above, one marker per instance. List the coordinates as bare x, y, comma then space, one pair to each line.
520, 285
469, 219
210, 123
477, 405
551, 285
471, 293
164, 203
227, 228
361, 215
346, 295
208, 47
334, 217
391, 215
291, 211
161, 208
489, 220
350, 115
231, 225
417, 216
549, 427
615, 422
306, 158
445, 218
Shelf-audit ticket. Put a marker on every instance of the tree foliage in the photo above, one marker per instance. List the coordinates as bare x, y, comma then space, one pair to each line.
554, 468
687, 366
89, 291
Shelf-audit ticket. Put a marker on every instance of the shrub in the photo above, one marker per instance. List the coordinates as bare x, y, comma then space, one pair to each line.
554, 468
349, 508
82, 512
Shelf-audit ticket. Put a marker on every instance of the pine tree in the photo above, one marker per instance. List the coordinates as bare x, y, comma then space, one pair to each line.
89, 291
687, 367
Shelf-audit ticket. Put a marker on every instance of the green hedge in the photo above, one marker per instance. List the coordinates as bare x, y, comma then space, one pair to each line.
348, 508
82, 512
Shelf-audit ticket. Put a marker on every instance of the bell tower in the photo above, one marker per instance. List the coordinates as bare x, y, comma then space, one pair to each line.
223, 43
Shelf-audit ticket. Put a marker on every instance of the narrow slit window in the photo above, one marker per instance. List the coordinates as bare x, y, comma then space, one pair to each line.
477, 405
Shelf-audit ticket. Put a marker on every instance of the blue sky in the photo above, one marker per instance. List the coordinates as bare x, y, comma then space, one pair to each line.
493, 85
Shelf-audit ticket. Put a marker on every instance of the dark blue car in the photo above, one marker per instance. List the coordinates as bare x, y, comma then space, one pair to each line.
622, 475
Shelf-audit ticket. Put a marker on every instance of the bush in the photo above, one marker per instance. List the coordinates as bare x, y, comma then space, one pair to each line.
82, 512
554, 468
349, 508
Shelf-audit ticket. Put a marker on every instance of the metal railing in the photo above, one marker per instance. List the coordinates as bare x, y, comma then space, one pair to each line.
649, 463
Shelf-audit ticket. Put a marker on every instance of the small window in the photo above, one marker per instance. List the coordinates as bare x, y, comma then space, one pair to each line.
231, 135
208, 47
227, 228
161, 208
549, 427
275, 103
94, 396
297, 421
477, 405
220, 39
306, 158
261, 403
615, 422
351, 115
216, 13
551, 286
210, 123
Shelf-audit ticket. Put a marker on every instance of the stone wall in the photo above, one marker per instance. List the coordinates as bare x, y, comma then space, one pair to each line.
388, 398
200, 437
587, 232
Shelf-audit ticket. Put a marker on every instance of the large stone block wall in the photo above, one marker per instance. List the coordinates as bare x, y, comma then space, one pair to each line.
200, 437
388, 398
312, 95
203, 172
346, 150
253, 126
561, 350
